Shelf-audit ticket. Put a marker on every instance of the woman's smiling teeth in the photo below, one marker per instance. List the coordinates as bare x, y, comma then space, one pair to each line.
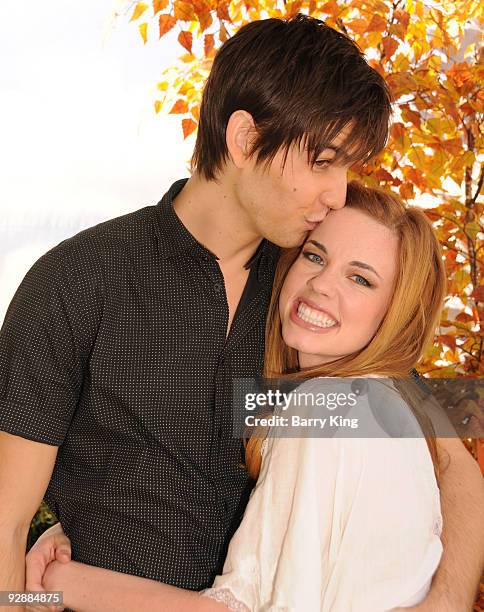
314, 317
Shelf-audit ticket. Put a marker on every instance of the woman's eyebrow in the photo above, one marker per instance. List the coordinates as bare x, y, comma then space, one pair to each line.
365, 266
358, 264
320, 246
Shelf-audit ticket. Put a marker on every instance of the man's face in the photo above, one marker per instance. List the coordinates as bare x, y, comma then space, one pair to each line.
284, 204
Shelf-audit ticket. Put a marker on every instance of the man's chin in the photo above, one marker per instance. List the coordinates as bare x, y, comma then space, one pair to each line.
289, 242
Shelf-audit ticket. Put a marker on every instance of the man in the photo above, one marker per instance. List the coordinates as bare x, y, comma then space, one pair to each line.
120, 346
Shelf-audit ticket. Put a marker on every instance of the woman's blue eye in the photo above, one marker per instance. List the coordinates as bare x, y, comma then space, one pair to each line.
360, 280
313, 257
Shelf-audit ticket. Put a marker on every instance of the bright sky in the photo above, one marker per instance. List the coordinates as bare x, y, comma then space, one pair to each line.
80, 142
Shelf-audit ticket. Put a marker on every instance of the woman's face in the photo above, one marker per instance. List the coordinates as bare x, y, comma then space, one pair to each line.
339, 288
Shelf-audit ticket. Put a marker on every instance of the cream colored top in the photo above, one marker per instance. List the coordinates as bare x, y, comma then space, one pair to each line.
336, 524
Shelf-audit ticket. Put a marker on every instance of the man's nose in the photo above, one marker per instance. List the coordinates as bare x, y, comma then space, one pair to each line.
334, 196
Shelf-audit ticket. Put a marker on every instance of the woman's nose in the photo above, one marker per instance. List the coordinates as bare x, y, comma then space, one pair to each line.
323, 283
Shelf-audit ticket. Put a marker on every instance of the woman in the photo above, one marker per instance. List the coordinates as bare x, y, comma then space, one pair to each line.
333, 524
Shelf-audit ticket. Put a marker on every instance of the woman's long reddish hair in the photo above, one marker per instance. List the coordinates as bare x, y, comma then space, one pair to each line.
406, 329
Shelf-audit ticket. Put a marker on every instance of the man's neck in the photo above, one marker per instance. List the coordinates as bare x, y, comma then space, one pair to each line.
212, 214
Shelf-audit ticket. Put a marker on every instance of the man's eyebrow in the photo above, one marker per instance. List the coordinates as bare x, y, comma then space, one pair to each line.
340, 153
365, 266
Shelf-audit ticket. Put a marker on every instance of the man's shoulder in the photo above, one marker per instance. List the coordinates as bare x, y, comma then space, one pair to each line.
83, 259
115, 233
111, 238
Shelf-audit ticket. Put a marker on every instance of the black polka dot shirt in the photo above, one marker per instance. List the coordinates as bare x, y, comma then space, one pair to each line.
114, 349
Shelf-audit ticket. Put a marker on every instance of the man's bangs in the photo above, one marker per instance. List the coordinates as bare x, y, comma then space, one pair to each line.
360, 145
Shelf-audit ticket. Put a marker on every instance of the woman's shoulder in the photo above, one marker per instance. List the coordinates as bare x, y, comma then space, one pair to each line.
356, 407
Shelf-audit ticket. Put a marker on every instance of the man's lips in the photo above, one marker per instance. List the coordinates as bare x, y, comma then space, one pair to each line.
312, 225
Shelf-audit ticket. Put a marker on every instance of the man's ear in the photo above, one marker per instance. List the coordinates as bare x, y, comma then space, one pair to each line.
240, 135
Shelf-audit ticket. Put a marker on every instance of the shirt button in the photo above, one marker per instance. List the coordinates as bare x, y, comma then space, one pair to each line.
218, 287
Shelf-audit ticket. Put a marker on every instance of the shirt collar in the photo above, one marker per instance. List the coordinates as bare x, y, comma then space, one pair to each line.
174, 238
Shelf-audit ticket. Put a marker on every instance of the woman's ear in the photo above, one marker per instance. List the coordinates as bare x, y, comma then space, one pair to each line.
240, 136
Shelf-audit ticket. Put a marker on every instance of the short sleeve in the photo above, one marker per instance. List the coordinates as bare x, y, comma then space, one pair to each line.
41, 357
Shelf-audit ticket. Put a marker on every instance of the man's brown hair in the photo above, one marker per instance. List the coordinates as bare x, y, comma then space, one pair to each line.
302, 82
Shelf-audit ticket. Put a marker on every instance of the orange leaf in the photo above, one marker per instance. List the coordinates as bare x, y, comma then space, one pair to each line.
403, 18
433, 216
179, 108
159, 5
357, 25
209, 43
377, 24
464, 317
223, 11
184, 11
166, 24
398, 130
186, 39
143, 30
448, 340
406, 191
139, 9
382, 175
188, 126
222, 33
410, 115
330, 8
390, 45
205, 20
478, 293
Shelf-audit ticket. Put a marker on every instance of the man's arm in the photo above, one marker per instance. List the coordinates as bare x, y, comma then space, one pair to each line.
454, 586
95, 589
25, 470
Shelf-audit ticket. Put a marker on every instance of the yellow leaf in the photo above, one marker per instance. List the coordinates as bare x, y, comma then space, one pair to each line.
186, 39
180, 108
188, 126
187, 58
401, 63
166, 24
162, 86
159, 5
139, 9
185, 88
143, 30
158, 105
